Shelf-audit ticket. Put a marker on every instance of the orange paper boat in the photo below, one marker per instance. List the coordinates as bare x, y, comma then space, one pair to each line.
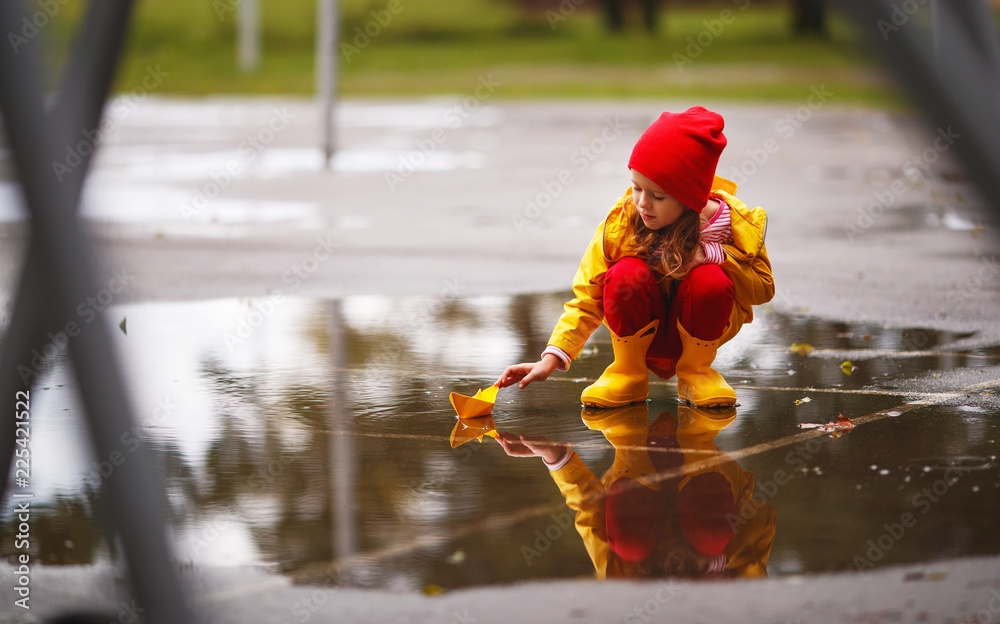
475, 418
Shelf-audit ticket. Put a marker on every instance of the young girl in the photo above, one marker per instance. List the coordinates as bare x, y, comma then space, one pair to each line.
673, 271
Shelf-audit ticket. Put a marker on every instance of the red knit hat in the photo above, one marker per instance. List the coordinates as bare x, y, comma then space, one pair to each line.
706, 508
634, 519
680, 152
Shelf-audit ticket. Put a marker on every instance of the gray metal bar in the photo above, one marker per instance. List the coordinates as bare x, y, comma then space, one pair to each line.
979, 25
248, 35
343, 458
27, 330
138, 508
326, 71
86, 81
960, 94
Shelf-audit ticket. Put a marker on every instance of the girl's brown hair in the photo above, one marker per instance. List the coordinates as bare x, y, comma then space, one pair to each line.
675, 244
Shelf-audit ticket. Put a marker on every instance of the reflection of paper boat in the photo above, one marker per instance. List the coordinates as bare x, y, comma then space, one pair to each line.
474, 416
467, 429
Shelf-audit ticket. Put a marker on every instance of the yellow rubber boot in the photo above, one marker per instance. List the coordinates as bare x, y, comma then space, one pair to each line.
697, 382
627, 379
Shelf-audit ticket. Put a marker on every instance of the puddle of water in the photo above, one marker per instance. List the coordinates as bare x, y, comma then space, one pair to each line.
171, 210
312, 437
134, 184
215, 112
142, 165
115, 203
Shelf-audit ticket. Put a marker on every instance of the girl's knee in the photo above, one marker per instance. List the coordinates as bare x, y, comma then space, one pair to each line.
630, 270
628, 277
709, 281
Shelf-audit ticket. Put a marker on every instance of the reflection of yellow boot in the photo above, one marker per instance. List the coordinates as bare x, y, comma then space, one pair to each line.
697, 382
625, 422
627, 379
696, 426
627, 429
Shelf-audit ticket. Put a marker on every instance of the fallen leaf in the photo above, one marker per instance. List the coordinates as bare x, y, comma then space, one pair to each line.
802, 400
843, 424
121, 326
432, 590
847, 367
802, 349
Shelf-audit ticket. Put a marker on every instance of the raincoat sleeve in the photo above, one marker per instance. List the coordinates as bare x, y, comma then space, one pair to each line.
585, 312
585, 495
754, 524
746, 260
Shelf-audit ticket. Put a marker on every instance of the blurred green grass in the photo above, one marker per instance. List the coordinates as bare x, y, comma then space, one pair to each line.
446, 46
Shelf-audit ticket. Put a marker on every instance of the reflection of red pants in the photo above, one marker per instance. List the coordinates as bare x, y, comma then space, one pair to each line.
632, 298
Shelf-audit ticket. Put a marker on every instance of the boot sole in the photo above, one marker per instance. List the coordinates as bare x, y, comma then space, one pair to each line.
712, 404
609, 405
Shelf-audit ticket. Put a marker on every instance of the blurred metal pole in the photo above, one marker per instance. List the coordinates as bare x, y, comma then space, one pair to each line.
343, 459
981, 24
326, 71
248, 36
960, 92
61, 267
85, 83
938, 36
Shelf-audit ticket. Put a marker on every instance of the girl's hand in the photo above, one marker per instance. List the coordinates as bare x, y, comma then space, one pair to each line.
533, 446
528, 372
697, 259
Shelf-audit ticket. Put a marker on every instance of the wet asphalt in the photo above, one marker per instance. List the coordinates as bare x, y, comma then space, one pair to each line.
287, 309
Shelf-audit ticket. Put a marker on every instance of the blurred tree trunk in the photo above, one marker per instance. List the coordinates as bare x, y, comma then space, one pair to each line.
614, 14
810, 17
650, 14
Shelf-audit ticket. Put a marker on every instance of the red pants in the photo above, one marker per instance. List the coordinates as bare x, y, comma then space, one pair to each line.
632, 298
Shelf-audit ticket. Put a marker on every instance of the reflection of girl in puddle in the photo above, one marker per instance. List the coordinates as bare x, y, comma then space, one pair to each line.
671, 504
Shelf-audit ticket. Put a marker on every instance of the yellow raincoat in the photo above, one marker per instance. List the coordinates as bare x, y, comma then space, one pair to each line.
746, 264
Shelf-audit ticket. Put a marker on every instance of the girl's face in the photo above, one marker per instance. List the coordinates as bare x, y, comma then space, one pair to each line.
657, 209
